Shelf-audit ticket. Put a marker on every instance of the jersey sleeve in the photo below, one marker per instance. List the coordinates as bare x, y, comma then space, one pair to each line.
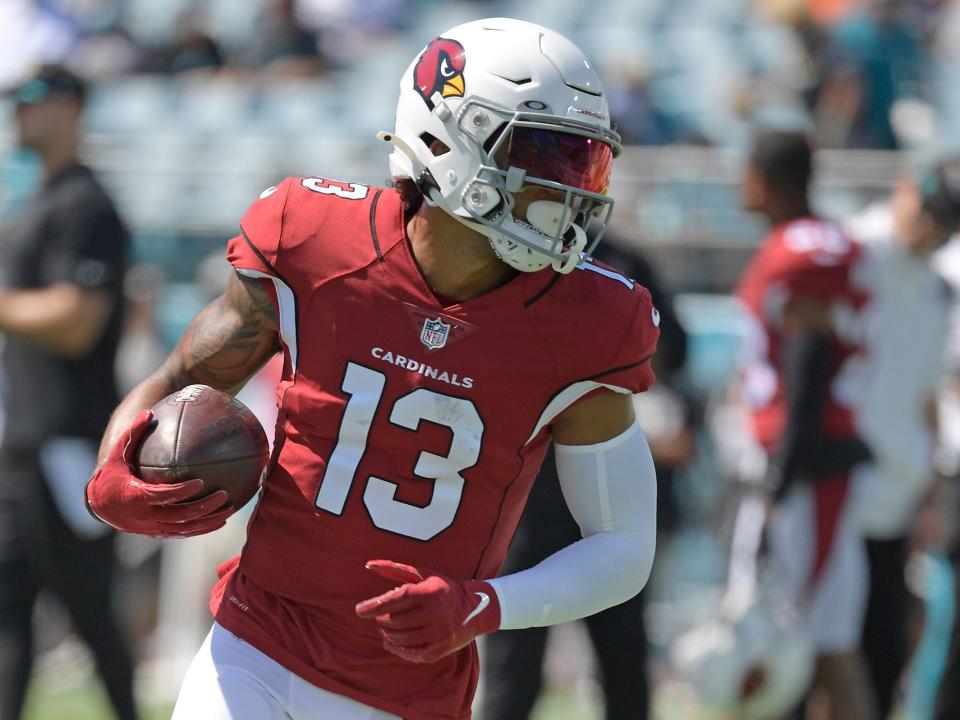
630, 367
87, 248
814, 261
618, 353
802, 277
261, 228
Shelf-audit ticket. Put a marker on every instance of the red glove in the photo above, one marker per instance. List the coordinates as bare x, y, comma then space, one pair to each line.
119, 498
430, 615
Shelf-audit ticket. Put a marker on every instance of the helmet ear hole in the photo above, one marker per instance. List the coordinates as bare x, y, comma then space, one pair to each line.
436, 146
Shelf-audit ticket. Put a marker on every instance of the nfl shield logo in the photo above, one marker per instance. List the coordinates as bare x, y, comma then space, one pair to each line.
434, 334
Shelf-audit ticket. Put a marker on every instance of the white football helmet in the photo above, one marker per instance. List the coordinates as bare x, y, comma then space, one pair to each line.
751, 660
515, 106
749, 657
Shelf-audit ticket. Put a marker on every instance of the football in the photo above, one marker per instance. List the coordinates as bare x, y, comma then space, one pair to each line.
204, 433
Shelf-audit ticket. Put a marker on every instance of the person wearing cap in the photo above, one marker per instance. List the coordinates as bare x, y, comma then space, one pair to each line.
62, 261
907, 327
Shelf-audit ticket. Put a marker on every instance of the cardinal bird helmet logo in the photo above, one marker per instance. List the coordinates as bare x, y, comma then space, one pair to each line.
440, 70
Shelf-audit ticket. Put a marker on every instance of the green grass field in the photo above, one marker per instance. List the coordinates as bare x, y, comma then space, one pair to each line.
88, 702
85, 702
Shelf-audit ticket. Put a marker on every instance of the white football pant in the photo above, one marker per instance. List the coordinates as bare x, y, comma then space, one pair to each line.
229, 679
834, 603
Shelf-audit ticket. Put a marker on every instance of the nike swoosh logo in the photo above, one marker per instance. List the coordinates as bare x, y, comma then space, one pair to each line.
481, 606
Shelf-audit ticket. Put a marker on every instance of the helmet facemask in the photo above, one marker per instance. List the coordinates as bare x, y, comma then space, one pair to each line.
529, 152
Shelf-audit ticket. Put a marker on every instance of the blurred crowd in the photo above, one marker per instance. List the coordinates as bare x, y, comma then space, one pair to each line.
864, 73
856, 74
111, 38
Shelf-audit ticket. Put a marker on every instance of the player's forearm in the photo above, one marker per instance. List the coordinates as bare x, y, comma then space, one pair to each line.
63, 318
611, 490
145, 395
807, 357
582, 579
223, 347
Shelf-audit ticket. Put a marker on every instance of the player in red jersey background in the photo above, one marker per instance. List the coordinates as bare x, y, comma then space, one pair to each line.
437, 336
801, 381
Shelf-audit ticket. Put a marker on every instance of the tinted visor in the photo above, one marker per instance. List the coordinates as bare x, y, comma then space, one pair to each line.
574, 160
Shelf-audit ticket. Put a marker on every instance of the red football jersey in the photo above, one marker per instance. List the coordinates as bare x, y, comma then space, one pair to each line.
805, 258
407, 430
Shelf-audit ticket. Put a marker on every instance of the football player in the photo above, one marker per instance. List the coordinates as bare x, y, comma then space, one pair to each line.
802, 302
437, 336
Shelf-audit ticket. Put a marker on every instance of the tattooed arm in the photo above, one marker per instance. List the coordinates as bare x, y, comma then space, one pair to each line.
224, 346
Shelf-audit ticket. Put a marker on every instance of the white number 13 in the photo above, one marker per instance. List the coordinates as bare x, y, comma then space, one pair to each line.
365, 388
325, 186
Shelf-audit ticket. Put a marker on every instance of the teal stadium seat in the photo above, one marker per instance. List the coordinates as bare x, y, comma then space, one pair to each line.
214, 106
132, 104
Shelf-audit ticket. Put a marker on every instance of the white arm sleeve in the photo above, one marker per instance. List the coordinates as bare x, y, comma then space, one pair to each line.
611, 490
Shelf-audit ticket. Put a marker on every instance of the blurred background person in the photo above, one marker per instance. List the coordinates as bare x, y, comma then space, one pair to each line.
63, 261
907, 322
944, 672
513, 660
285, 46
190, 51
875, 59
796, 290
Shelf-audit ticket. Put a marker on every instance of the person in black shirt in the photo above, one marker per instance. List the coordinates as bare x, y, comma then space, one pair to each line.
61, 266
